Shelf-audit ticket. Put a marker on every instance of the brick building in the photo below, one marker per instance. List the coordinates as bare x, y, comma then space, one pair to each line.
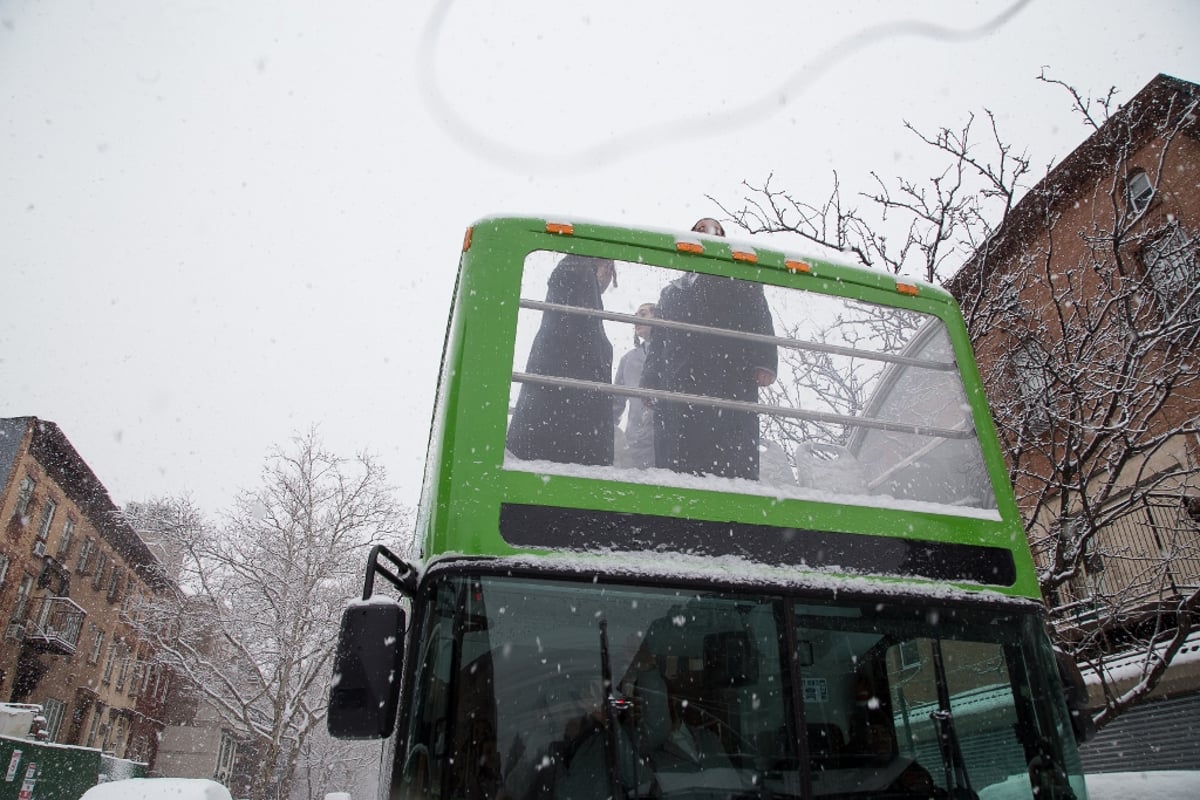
73, 577
1084, 310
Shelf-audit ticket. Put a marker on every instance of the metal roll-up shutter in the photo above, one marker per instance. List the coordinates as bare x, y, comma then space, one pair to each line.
1161, 734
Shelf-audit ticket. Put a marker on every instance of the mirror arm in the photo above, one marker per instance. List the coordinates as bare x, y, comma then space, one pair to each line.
403, 576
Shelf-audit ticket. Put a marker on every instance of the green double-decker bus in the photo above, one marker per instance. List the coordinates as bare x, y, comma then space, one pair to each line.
702, 518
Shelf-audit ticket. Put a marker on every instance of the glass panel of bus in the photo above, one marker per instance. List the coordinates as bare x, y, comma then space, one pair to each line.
932, 702
866, 405
533, 688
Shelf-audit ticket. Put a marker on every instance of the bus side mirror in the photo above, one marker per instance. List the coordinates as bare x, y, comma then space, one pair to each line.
366, 672
1075, 691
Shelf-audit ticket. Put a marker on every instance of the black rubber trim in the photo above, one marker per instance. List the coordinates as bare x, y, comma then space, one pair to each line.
557, 528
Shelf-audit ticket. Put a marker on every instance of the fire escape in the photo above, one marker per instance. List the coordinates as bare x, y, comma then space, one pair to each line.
53, 625
1141, 565
50, 623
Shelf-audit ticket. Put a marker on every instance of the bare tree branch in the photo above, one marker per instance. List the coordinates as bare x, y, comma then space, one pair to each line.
253, 626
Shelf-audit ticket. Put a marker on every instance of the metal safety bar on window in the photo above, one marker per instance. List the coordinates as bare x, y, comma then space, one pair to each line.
727, 333
739, 405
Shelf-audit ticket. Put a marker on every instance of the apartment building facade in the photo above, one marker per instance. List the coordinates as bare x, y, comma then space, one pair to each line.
1084, 309
73, 580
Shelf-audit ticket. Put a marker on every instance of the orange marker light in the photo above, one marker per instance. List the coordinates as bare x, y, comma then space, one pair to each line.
467, 239
563, 228
906, 288
750, 257
797, 266
689, 247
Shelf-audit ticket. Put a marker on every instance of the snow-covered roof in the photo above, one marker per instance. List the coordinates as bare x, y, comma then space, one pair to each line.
731, 572
1130, 667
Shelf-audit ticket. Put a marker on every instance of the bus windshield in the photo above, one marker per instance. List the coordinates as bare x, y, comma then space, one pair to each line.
693, 380
552, 688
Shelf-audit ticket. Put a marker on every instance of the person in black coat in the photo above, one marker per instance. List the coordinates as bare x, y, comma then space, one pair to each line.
551, 423
701, 439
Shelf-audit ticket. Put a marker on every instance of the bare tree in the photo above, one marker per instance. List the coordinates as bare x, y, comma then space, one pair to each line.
823, 381
328, 765
253, 627
938, 223
1098, 395
1087, 336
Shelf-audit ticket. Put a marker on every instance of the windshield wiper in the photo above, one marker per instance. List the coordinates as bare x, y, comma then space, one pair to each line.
957, 780
612, 751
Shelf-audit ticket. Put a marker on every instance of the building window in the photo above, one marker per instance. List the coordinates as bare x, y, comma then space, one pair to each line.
24, 495
1033, 381
47, 519
85, 555
53, 710
151, 672
122, 728
1139, 191
114, 584
139, 749
123, 669
110, 662
22, 600
131, 605
1170, 263
106, 730
97, 645
4, 562
1007, 299
44, 612
64, 544
225, 758
96, 726
101, 563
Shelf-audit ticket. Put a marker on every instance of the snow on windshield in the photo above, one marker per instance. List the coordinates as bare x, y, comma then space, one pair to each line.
799, 395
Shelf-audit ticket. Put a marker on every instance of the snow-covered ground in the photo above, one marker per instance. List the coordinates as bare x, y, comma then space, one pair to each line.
1180, 784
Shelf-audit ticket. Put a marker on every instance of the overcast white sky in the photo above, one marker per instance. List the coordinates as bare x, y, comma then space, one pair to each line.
223, 221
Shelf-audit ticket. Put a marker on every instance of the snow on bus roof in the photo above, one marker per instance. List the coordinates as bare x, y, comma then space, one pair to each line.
732, 571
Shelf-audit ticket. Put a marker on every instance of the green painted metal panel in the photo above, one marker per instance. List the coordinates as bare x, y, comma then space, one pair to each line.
57, 772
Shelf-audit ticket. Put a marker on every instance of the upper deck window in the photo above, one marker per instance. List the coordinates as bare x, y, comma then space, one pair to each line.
736, 386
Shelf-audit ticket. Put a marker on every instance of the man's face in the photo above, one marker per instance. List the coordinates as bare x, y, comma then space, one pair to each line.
604, 275
645, 312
